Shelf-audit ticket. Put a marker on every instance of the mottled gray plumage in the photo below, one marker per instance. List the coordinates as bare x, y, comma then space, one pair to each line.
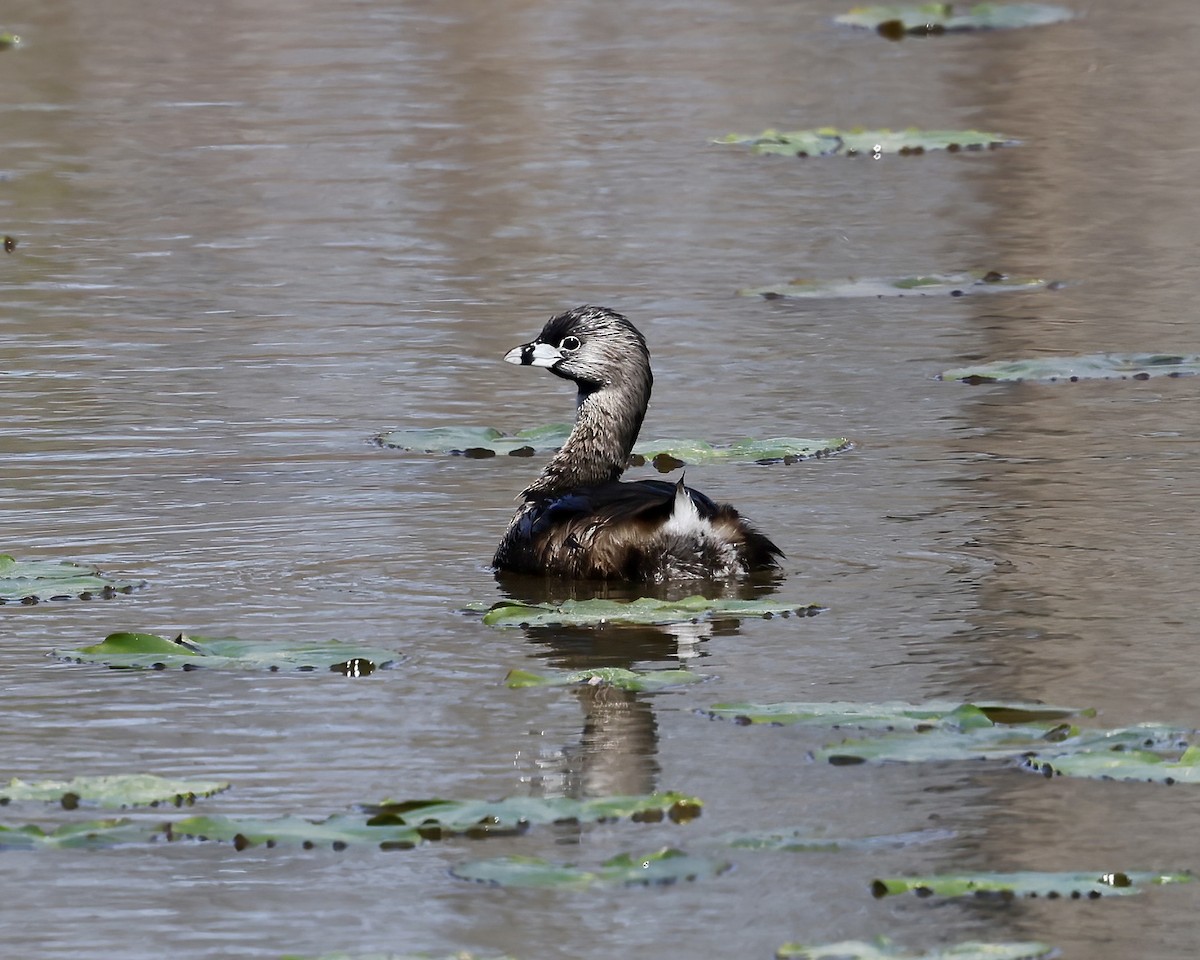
578, 520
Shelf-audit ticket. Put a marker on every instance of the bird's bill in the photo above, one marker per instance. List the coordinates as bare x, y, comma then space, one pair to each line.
536, 354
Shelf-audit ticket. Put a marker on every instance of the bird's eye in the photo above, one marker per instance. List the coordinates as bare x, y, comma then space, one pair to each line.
569, 344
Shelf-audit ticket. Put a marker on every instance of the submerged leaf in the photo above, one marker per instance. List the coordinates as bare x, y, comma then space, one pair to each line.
830, 141
945, 714
1099, 366
148, 651
1142, 765
481, 442
1029, 883
633, 680
949, 284
644, 610
883, 949
895, 20
663, 867
30, 581
123, 790
519, 812
85, 834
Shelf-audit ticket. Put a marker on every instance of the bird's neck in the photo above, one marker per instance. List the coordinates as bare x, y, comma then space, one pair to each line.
597, 450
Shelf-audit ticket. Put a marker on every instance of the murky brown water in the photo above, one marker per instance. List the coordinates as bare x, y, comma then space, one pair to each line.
254, 234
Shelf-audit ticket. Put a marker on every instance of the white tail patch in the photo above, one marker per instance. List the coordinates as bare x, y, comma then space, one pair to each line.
685, 519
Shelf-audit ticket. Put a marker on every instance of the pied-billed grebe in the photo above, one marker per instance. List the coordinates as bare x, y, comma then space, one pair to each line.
578, 520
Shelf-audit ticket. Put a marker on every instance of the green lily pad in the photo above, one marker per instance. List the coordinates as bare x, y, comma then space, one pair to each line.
338, 831
662, 867
644, 610
8, 40
124, 790
633, 680
884, 949
1121, 765
802, 841
1099, 366
1030, 883
88, 834
857, 142
893, 716
147, 651
515, 813
482, 442
894, 21
947, 284
30, 581
392, 956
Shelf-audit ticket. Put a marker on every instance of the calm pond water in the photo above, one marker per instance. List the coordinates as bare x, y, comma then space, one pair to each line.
253, 235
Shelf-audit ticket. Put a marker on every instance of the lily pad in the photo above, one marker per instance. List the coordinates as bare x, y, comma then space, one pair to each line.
633, 680
667, 454
8, 40
338, 831
857, 142
1098, 366
1141, 765
803, 841
946, 284
1031, 883
88, 834
124, 790
644, 610
30, 581
517, 813
660, 868
884, 949
150, 652
894, 21
463, 955
943, 714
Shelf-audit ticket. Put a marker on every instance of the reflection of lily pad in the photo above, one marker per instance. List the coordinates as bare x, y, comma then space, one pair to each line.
126, 790
803, 841
893, 716
1027, 884
32, 580
647, 610
1100, 366
520, 812
147, 651
856, 142
637, 681
884, 949
482, 442
663, 867
86, 834
1121, 765
895, 20
951, 284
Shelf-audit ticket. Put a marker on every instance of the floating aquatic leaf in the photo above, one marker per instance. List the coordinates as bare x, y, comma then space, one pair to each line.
519, 812
86, 834
1027, 884
803, 841
884, 949
463, 955
482, 442
895, 20
148, 651
1099, 366
646, 610
659, 868
30, 581
124, 790
338, 831
830, 141
10, 244
949, 284
8, 40
893, 716
637, 681
1121, 765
